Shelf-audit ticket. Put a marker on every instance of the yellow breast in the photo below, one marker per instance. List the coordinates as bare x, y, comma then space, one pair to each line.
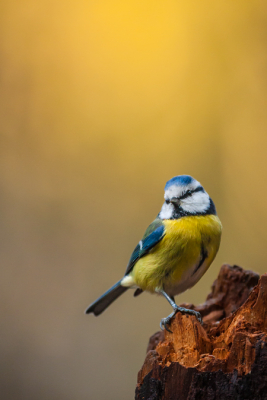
174, 258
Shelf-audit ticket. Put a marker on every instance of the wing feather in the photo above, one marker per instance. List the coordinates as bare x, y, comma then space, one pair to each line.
153, 235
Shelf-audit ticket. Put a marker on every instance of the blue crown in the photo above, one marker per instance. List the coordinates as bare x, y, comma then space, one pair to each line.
180, 180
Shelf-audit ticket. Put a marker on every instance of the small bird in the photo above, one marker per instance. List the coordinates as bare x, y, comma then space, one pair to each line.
175, 251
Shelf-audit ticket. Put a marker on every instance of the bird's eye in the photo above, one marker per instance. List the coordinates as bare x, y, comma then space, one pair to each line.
167, 201
186, 194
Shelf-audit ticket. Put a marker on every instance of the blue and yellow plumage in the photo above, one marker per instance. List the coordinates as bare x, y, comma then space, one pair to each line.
176, 249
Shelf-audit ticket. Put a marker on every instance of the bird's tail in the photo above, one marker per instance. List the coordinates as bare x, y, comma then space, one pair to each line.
98, 306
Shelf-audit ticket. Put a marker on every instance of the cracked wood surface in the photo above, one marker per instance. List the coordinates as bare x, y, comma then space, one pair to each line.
226, 358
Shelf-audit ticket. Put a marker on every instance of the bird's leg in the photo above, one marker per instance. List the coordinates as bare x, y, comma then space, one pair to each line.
165, 321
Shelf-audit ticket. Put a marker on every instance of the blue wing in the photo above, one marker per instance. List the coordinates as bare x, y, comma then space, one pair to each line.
153, 235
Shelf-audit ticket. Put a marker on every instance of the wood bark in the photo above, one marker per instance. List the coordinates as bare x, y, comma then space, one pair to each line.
224, 359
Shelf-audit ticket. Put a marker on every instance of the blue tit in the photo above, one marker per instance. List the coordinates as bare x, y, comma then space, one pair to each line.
176, 249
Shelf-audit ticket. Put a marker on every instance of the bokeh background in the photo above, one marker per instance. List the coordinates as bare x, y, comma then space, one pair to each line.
101, 102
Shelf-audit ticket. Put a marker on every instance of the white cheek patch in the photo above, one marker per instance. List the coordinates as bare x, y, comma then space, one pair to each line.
199, 202
166, 211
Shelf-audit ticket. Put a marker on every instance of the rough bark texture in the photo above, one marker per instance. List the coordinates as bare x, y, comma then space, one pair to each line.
226, 358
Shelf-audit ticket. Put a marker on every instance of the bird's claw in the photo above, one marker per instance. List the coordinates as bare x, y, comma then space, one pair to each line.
166, 321
198, 317
191, 312
196, 314
164, 324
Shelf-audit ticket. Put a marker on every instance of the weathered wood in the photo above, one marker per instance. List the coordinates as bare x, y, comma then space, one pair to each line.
226, 358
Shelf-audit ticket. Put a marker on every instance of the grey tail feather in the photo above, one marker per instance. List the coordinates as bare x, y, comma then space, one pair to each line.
137, 292
98, 306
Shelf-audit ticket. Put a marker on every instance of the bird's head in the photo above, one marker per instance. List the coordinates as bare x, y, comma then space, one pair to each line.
185, 196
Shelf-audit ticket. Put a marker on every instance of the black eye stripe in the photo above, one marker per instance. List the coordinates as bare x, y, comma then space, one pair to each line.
187, 194
190, 192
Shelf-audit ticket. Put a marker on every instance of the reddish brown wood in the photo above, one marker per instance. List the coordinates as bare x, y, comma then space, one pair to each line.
226, 358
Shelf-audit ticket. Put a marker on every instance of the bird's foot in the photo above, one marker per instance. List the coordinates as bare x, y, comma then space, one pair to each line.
166, 321
191, 312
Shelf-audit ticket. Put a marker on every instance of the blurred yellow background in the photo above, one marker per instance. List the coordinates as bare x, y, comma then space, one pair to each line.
101, 102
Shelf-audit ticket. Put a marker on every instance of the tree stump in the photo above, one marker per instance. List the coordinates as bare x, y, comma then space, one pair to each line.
225, 359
